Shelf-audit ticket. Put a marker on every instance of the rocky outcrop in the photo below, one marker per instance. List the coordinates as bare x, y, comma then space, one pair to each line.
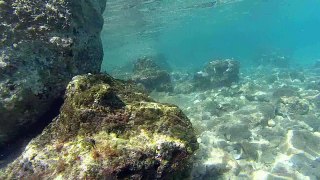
148, 73
217, 73
43, 44
288, 106
108, 129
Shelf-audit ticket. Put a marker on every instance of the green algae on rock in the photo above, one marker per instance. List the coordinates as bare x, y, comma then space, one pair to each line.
108, 129
43, 44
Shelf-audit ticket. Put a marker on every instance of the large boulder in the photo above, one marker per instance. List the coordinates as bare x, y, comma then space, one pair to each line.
217, 73
43, 44
108, 129
152, 76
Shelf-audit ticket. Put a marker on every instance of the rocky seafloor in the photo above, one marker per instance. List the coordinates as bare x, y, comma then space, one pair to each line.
252, 123
262, 123
266, 126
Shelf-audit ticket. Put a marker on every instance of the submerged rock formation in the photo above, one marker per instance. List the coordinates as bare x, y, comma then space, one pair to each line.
288, 106
107, 129
43, 44
151, 76
217, 73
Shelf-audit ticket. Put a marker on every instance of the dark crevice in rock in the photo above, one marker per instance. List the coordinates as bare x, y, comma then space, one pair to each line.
11, 150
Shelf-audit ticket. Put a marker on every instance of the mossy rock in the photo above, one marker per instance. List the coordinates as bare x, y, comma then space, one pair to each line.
108, 129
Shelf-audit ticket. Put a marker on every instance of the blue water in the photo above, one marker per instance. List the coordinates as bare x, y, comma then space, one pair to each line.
268, 122
191, 33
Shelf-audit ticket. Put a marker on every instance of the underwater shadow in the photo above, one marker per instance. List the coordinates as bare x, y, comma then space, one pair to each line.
13, 149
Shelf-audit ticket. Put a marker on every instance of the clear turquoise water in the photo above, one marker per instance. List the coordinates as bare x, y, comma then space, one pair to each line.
190, 33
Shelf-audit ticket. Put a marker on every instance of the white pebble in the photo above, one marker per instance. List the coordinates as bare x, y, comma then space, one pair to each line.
271, 123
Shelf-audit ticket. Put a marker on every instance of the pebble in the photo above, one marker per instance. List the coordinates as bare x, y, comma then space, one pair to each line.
271, 123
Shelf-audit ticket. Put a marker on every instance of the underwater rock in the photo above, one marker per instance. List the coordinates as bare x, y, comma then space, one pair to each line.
300, 141
292, 106
125, 70
311, 120
220, 163
268, 155
235, 132
306, 166
300, 161
249, 151
43, 44
287, 91
264, 175
256, 114
315, 85
217, 73
151, 76
108, 129
161, 60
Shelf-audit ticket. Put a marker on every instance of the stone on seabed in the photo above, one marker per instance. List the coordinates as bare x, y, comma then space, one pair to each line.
217, 73
108, 129
153, 77
43, 44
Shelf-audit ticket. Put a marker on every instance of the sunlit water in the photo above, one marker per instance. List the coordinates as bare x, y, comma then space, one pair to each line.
189, 33
264, 126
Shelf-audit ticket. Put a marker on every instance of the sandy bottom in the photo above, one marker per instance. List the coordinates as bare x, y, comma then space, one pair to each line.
267, 126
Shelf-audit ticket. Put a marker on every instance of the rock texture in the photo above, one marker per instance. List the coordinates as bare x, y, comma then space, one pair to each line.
108, 129
255, 129
148, 73
43, 44
217, 73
